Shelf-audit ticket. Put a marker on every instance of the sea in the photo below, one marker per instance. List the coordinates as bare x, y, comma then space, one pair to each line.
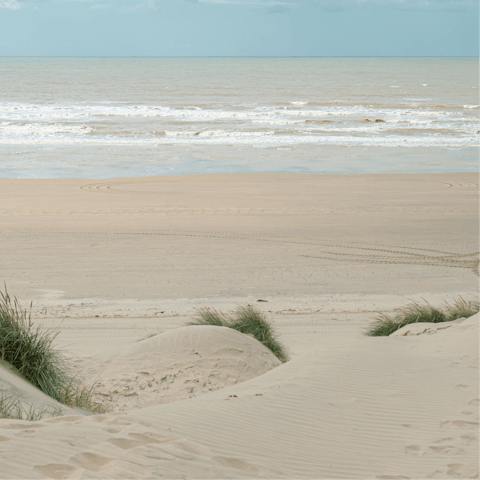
64, 117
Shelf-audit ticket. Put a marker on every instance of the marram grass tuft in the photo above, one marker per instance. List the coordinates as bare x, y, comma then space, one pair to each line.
30, 351
247, 320
415, 312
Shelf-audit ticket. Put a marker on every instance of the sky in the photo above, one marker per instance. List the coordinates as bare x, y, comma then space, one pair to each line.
239, 28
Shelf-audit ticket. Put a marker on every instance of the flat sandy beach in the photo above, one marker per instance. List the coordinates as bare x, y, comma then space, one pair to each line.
110, 262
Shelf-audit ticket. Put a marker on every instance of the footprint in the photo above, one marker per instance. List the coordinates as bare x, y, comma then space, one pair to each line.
461, 424
110, 419
461, 470
447, 450
59, 471
4, 439
68, 419
125, 443
100, 418
447, 439
416, 450
92, 461
172, 449
152, 437
26, 433
24, 426
391, 477
192, 447
156, 454
470, 438
437, 474
237, 464
112, 430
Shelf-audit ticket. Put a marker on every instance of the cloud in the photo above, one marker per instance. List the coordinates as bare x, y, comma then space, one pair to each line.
10, 4
339, 5
149, 6
272, 6
394, 4
278, 8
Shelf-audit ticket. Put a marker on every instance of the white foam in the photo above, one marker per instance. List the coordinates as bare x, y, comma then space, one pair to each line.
433, 140
111, 123
7, 128
279, 122
216, 133
26, 112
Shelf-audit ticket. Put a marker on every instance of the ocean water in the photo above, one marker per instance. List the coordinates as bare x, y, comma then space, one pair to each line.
116, 117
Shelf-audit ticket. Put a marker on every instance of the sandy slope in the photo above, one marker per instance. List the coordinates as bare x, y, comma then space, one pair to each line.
13, 386
390, 407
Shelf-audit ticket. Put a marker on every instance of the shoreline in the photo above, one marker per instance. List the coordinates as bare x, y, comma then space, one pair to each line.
472, 170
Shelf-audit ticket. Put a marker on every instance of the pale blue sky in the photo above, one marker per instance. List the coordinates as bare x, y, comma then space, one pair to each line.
236, 27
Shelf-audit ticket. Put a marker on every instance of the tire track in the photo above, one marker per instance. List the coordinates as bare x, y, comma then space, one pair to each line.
407, 256
472, 265
234, 237
410, 209
108, 188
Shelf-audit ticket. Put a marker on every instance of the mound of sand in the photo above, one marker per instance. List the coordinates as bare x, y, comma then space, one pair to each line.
422, 328
383, 407
182, 363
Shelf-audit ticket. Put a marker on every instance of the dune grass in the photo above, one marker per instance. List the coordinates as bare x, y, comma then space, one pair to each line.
247, 320
415, 312
11, 407
30, 351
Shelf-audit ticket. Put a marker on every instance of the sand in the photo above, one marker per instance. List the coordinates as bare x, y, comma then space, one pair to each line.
239, 236
183, 363
111, 262
389, 407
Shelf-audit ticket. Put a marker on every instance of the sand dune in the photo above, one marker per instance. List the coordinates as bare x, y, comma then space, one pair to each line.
182, 363
387, 407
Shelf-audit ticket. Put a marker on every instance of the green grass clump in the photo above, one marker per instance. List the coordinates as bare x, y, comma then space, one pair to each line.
415, 312
30, 351
247, 320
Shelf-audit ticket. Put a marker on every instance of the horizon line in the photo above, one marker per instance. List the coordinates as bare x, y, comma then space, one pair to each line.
239, 56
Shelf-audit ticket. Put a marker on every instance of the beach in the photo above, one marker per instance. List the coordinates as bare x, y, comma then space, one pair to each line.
155, 249
112, 262
240, 235
291, 201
